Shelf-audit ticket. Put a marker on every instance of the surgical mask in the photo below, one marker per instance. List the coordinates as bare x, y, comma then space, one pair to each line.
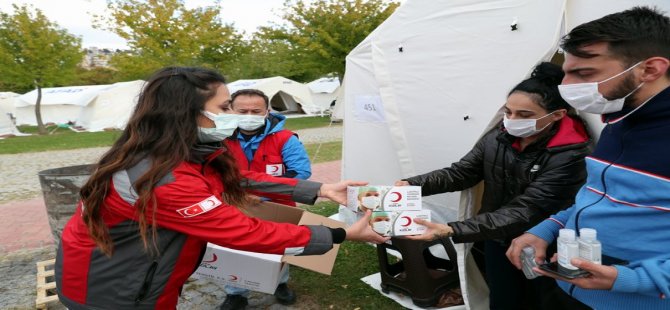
225, 125
251, 122
381, 227
523, 128
371, 202
585, 97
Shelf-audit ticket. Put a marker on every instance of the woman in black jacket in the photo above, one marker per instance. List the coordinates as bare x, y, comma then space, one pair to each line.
532, 166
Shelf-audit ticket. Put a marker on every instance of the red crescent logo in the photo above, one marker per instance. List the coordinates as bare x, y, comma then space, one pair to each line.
214, 258
398, 196
232, 277
275, 168
408, 221
208, 203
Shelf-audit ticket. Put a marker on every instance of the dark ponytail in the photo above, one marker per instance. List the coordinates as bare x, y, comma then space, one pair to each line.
543, 83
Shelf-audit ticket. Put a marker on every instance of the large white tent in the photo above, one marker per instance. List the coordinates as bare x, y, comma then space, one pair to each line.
7, 126
91, 107
7, 101
423, 87
286, 96
58, 105
111, 108
324, 91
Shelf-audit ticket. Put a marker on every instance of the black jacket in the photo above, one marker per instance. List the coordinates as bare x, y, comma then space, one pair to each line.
520, 188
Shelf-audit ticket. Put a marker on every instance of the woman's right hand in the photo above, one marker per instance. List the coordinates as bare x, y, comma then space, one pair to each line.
401, 183
362, 231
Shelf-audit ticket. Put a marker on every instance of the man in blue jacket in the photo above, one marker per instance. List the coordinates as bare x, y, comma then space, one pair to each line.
617, 66
263, 145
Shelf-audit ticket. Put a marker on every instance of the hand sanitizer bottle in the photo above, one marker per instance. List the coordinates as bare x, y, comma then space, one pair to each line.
589, 247
528, 262
568, 248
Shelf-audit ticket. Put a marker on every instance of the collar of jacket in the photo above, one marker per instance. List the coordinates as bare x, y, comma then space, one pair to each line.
569, 134
657, 107
205, 152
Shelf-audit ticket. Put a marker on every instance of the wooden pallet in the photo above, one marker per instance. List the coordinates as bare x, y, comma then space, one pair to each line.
46, 284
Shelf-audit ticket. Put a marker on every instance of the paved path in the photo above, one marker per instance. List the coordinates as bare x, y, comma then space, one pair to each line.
25, 236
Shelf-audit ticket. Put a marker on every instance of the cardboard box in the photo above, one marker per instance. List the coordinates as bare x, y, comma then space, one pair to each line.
384, 198
399, 223
260, 272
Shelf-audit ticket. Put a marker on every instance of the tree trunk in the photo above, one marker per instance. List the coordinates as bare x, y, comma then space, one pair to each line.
38, 111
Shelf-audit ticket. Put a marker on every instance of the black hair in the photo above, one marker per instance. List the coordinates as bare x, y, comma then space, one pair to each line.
250, 92
632, 35
542, 85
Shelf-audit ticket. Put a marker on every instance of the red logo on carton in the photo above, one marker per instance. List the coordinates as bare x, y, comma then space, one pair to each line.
200, 207
408, 221
214, 258
397, 198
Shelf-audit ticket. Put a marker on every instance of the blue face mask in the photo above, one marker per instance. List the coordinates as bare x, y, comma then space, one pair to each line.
225, 125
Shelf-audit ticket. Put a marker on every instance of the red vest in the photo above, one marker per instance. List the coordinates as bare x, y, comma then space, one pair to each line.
267, 159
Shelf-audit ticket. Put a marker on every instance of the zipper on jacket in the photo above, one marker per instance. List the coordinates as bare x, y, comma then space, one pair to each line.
146, 285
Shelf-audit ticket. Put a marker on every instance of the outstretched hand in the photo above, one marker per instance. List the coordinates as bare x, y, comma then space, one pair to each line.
337, 192
433, 231
362, 231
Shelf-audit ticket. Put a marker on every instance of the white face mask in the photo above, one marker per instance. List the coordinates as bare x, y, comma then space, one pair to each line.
523, 127
381, 227
371, 202
585, 97
251, 122
225, 125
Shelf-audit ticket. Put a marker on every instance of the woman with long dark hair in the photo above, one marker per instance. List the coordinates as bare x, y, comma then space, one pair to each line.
165, 189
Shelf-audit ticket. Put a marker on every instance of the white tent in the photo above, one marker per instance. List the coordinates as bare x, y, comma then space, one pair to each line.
422, 88
111, 108
59, 105
286, 96
324, 91
6, 124
7, 102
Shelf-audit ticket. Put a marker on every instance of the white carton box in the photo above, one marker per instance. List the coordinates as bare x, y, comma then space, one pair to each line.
260, 272
254, 271
384, 198
399, 223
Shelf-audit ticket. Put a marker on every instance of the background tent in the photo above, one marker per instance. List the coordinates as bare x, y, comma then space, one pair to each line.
324, 91
59, 105
111, 108
7, 126
423, 87
286, 96
7, 102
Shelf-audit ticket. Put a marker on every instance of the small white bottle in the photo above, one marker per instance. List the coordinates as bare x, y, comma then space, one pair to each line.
568, 248
589, 247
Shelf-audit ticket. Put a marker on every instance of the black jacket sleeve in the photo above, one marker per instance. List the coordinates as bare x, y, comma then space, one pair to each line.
552, 190
461, 175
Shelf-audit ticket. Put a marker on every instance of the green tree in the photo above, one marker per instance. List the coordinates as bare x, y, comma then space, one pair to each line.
95, 76
164, 32
36, 52
321, 33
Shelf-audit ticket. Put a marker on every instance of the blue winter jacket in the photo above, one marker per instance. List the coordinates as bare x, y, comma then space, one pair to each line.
293, 153
626, 198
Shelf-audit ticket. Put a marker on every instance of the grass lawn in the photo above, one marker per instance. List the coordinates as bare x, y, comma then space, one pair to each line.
343, 289
307, 122
65, 139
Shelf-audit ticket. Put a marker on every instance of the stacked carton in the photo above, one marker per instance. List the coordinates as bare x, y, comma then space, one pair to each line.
394, 208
